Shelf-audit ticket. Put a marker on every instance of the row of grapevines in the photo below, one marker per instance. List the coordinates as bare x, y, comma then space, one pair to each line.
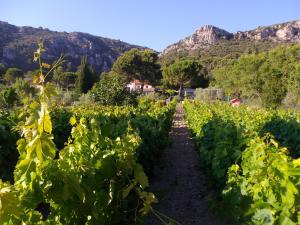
151, 120
95, 178
8, 139
257, 174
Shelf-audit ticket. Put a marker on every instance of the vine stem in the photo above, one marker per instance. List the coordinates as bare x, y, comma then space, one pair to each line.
158, 216
157, 213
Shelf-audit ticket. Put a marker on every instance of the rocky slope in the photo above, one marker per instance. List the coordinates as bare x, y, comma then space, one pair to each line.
17, 45
208, 36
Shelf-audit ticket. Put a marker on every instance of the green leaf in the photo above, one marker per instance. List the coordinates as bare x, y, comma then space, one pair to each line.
9, 203
126, 191
263, 217
73, 120
21, 143
284, 220
140, 176
294, 171
296, 162
44, 122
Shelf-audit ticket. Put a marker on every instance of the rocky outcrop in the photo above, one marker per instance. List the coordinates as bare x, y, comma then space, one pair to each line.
209, 35
203, 37
285, 32
9, 53
17, 45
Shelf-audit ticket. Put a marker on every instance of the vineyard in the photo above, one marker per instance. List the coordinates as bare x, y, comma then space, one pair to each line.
96, 178
108, 162
88, 164
251, 155
80, 165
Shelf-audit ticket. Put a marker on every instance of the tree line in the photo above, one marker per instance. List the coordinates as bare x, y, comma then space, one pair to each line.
269, 76
109, 87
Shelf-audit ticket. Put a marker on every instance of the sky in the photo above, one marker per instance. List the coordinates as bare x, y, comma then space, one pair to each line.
152, 23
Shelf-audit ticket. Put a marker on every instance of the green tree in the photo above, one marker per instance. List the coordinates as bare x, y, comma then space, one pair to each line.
64, 79
85, 77
2, 69
9, 96
293, 85
12, 74
181, 73
138, 64
111, 90
23, 88
31, 73
68, 79
267, 76
274, 88
243, 76
226, 78
57, 73
249, 75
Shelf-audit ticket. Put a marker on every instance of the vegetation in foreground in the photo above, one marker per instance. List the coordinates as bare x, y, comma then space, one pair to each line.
97, 177
86, 164
252, 158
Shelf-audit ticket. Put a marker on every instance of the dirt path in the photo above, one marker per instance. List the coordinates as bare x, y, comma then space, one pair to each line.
180, 185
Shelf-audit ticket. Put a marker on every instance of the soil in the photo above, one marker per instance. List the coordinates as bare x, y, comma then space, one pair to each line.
182, 188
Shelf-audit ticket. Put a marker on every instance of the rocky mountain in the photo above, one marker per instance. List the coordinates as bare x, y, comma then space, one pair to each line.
203, 37
17, 45
208, 36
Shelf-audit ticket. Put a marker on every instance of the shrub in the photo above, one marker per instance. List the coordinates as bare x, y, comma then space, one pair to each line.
9, 96
110, 90
12, 74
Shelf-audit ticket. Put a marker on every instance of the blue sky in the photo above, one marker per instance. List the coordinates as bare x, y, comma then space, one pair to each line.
151, 23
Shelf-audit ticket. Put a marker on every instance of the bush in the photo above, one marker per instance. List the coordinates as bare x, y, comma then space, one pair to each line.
110, 90
8, 138
9, 96
2, 69
23, 88
274, 91
12, 74
85, 99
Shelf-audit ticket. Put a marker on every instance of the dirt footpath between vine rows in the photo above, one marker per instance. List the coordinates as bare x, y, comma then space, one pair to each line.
180, 186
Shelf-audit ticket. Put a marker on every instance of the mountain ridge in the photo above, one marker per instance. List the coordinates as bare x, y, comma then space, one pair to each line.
208, 35
17, 44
